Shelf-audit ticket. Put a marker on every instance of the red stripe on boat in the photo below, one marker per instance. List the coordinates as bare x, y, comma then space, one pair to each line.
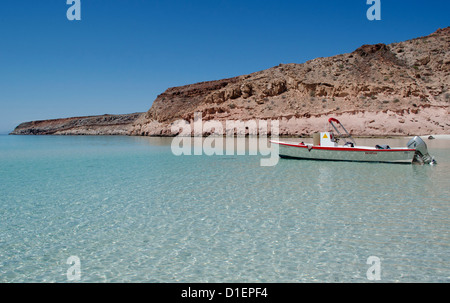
343, 148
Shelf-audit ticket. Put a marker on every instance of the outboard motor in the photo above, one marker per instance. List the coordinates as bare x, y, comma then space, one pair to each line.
422, 156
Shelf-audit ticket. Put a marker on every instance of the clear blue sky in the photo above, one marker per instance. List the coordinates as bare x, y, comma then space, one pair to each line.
123, 53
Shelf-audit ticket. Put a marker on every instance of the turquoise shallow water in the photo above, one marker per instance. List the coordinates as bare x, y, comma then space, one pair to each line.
131, 211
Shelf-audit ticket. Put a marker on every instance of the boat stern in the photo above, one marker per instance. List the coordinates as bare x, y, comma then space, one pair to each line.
421, 155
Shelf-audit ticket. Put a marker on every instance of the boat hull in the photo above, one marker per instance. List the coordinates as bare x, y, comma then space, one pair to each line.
353, 154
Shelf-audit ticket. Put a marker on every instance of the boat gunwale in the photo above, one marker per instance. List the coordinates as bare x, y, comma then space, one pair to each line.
343, 148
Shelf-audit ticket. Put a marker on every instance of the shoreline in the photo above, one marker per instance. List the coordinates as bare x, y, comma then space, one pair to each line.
438, 136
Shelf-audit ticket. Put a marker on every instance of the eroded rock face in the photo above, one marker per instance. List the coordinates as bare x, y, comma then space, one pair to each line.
93, 125
409, 79
406, 77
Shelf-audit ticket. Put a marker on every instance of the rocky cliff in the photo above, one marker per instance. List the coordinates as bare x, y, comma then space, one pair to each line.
396, 89
92, 125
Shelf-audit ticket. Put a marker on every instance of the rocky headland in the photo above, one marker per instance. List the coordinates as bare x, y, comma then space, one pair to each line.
396, 89
91, 125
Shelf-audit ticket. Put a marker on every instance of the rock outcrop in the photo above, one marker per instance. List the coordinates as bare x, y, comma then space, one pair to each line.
401, 89
92, 125
396, 89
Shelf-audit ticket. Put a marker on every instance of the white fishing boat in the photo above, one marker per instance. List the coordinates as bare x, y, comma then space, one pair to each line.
325, 147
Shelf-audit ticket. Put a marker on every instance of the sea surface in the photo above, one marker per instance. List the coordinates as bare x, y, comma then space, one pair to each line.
127, 209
